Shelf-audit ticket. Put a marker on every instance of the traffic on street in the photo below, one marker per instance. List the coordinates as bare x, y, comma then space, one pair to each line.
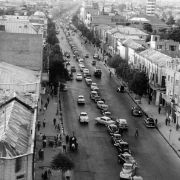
115, 140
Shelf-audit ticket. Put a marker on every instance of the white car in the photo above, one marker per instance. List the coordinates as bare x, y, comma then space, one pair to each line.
81, 99
95, 89
83, 117
81, 66
79, 77
104, 120
122, 123
80, 60
88, 81
128, 170
86, 72
93, 85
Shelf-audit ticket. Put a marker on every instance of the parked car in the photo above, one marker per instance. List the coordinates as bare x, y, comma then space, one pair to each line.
128, 170
99, 104
112, 128
81, 66
136, 178
83, 117
106, 113
93, 62
104, 120
97, 73
122, 123
122, 147
96, 56
79, 77
97, 98
126, 158
136, 111
80, 60
115, 138
149, 122
81, 99
88, 81
103, 108
93, 94
93, 85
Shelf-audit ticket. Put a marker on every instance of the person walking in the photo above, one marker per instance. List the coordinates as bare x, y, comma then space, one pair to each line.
54, 122
159, 109
67, 139
44, 123
136, 133
38, 125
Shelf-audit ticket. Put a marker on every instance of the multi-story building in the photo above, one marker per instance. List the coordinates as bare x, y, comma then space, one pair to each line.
150, 7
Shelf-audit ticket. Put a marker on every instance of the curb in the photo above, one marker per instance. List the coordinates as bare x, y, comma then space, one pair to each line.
162, 135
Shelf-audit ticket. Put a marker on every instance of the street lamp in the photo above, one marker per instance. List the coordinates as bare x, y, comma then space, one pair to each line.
170, 134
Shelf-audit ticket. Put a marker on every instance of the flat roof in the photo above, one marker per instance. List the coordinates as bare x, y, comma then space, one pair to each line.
24, 50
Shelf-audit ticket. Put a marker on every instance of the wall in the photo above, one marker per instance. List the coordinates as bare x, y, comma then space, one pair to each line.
7, 168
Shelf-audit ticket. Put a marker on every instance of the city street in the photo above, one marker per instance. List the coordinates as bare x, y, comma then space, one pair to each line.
96, 158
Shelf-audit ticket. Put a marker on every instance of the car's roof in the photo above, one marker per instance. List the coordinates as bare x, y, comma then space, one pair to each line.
94, 92
127, 164
79, 74
123, 142
100, 102
80, 96
121, 120
83, 113
105, 117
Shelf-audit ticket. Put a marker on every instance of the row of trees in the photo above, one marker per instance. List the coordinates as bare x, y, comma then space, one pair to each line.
85, 31
137, 81
52, 55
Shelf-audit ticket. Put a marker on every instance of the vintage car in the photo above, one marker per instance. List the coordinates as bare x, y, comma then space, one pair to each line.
149, 122
136, 111
128, 170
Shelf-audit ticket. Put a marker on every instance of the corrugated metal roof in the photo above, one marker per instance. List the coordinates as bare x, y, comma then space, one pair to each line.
15, 127
156, 57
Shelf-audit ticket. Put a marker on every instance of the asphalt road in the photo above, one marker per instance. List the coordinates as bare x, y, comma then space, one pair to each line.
97, 158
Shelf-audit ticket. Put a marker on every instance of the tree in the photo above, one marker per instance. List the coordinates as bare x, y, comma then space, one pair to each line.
170, 20
147, 27
61, 162
115, 61
139, 83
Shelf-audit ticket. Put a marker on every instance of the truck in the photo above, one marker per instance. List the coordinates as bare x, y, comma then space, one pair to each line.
97, 72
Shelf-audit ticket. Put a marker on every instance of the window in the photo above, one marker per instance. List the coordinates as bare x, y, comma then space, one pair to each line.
18, 164
177, 82
172, 48
159, 47
25, 26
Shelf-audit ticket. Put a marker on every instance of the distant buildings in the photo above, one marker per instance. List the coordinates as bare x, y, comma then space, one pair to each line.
150, 7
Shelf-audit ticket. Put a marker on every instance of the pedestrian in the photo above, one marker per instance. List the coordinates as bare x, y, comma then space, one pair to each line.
43, 137
45, 175
44, 123
166, 121
159, 109
40, 154
64, 148
49, 173
58, 127
38, 125
156, 121
44, 143
136, 133
67, 139
54, 121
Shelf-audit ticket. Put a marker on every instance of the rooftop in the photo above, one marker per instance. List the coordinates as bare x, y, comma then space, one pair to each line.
133, 44
156, 57
24, 50
16, 120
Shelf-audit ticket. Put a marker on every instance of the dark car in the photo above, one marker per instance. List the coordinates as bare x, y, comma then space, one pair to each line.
126, 158
112, 128
122, 147
73, 69
136, 111
115, 138
87, 56
149, 122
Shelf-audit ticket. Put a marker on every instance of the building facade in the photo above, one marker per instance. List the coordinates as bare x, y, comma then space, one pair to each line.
150, 7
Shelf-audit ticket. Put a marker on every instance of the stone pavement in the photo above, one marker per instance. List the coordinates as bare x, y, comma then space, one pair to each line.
168, 132
50, 132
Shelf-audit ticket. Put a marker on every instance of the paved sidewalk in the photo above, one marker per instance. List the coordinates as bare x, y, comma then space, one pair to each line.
168, 132
50, 132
